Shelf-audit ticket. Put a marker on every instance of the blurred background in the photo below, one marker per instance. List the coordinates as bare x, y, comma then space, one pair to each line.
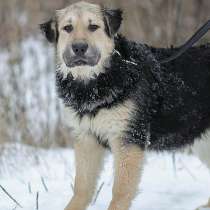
30, 111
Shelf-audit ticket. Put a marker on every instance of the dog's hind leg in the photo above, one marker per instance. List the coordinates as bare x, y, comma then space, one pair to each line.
204, 206
128, 160
89, 157
201, 148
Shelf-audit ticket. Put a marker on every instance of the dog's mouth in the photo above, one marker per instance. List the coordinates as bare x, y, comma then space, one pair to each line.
90, 58
81, 61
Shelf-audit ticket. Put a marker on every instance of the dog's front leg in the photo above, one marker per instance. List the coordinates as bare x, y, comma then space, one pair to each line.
128, 160
89, 158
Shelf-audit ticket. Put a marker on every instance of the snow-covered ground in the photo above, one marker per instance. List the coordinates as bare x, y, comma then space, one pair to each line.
26, 172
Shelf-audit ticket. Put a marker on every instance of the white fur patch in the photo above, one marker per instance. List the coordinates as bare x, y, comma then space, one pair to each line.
82, 72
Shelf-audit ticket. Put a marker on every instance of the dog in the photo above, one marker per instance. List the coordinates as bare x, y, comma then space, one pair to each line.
119, 97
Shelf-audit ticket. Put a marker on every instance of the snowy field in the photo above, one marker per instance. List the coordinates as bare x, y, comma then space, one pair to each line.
41, 179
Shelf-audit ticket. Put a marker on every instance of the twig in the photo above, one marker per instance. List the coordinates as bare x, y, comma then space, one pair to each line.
44, 184
29, 188
97, 193
72, 187
14, 200
37, 201
174, 163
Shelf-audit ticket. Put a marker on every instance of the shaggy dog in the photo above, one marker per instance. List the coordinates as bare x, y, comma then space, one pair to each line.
118, 96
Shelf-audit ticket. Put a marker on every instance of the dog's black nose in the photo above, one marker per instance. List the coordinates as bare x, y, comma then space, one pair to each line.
80, 48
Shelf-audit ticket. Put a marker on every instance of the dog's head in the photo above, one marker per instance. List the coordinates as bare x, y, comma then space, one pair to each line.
84, 37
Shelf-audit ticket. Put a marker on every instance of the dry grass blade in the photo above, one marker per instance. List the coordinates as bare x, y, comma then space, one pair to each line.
29, 188
37, 201
97, 193
14, 200
72, 187
15, 207
44, 184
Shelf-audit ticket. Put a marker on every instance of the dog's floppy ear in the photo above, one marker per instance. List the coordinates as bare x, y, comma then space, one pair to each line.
50, 31
112, 20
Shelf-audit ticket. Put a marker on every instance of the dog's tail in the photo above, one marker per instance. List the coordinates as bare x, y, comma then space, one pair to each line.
195, 38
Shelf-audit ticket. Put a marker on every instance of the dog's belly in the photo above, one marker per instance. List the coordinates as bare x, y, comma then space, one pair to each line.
201, 148
108, 124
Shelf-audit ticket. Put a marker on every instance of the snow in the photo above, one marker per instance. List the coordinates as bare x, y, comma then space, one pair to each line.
25, 171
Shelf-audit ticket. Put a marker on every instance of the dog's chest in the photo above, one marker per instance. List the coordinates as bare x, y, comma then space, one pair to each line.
107, 124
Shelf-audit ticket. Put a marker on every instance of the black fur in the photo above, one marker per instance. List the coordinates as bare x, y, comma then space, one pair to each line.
112, 20
173, 100
185, 101
50, 31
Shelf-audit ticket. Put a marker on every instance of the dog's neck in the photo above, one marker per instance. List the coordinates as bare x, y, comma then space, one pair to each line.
105, 90
110, 87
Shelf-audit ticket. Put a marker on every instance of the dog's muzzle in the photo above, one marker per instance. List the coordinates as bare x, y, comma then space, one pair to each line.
79, 54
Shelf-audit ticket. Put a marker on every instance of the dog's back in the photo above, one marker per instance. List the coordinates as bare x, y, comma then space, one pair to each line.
194, 69
185, 107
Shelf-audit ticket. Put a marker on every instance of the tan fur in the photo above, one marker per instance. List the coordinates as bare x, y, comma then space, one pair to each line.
80, 14
128, 167
89, 159
108, 123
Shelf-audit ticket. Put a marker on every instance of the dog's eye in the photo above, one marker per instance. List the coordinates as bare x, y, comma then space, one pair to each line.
93, 27
68, 28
